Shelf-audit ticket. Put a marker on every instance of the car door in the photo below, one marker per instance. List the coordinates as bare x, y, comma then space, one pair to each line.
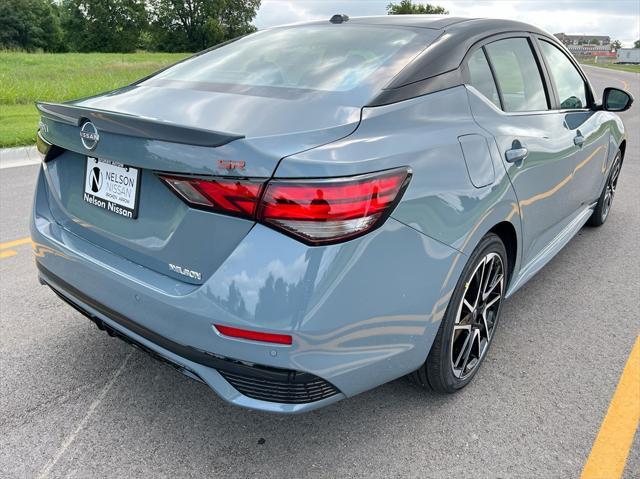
536, 144
575, 104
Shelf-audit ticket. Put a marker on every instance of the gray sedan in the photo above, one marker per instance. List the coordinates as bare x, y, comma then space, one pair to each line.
310, 211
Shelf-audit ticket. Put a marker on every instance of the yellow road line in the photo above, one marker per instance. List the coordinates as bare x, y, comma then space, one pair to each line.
615, 438
14, 243
625, 85
7, 253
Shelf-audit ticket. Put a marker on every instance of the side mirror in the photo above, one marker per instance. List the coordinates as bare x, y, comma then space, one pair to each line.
614, 99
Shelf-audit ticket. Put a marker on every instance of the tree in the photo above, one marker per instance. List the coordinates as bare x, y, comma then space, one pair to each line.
192, 25
594, 41
103, 25
636, 44
616, 45
407, 7
30, 25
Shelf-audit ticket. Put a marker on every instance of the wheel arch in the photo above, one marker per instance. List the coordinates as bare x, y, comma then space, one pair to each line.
623, 148
506, 231
503, 219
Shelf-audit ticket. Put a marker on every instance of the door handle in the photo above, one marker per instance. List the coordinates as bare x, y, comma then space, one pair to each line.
516, 154
578, 140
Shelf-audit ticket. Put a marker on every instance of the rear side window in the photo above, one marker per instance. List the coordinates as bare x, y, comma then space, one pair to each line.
517, 75
567, 80
480, 76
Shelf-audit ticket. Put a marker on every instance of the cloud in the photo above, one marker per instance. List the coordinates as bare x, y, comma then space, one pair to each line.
620, 19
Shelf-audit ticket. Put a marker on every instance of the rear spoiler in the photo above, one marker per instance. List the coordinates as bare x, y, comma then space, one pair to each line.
130, 125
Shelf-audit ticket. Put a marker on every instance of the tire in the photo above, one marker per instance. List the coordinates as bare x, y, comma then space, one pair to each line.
442, 372
605, 202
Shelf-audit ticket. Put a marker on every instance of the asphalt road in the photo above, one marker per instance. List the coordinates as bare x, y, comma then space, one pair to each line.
75, 403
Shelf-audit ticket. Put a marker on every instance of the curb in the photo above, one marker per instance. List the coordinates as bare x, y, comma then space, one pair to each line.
20, 156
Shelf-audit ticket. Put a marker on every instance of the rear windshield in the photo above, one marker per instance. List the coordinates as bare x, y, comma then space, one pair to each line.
315, 57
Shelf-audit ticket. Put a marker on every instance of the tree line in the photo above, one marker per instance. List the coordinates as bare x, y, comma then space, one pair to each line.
123, 25
129, 25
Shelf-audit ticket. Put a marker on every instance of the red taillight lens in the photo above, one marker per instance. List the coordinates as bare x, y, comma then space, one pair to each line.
326, 211
253, 335
230, 196
318, 211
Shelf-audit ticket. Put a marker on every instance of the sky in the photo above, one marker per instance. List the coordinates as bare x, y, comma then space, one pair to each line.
620, 19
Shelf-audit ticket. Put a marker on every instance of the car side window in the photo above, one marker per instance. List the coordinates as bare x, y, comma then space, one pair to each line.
517, 75
481, 78
569, 83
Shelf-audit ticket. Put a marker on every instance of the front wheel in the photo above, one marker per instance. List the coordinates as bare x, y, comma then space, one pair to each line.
470, 320
605, 202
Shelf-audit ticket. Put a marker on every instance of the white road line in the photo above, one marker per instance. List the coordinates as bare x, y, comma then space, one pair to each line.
44, 473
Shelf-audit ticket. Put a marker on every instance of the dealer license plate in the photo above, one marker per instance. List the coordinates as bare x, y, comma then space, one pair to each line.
112, 187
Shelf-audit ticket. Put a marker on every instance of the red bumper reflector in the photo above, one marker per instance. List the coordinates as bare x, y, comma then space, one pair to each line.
253, 335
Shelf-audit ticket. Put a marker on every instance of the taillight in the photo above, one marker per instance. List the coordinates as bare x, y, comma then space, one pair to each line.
334, 209
316, 211
42, 145
224, 195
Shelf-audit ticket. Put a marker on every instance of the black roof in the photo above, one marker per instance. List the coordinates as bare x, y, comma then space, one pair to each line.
448, 50
435, 22
439, 22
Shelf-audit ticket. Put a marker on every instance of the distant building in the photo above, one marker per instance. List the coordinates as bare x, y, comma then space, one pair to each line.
582, 39
629, 55
591, 50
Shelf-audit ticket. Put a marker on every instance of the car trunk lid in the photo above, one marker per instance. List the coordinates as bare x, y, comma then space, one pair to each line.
243, 137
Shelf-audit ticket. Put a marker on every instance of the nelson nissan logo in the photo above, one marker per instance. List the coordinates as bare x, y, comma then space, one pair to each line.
89, 135
96, 179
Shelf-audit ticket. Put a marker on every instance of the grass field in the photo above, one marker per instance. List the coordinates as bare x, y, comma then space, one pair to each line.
27, 77
613, 66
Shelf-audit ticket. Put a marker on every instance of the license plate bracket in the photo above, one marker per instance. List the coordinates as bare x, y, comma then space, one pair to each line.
112, 186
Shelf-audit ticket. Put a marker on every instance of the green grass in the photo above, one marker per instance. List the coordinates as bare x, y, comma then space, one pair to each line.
613, 66
28, 77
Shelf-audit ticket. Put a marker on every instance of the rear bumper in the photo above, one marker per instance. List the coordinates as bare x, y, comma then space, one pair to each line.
254, 381
360, 313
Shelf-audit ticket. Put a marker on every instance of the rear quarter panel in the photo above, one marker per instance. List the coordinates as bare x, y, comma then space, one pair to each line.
423, 133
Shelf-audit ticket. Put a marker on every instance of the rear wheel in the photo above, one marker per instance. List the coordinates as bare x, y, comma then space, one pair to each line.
605, 202
469, 323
